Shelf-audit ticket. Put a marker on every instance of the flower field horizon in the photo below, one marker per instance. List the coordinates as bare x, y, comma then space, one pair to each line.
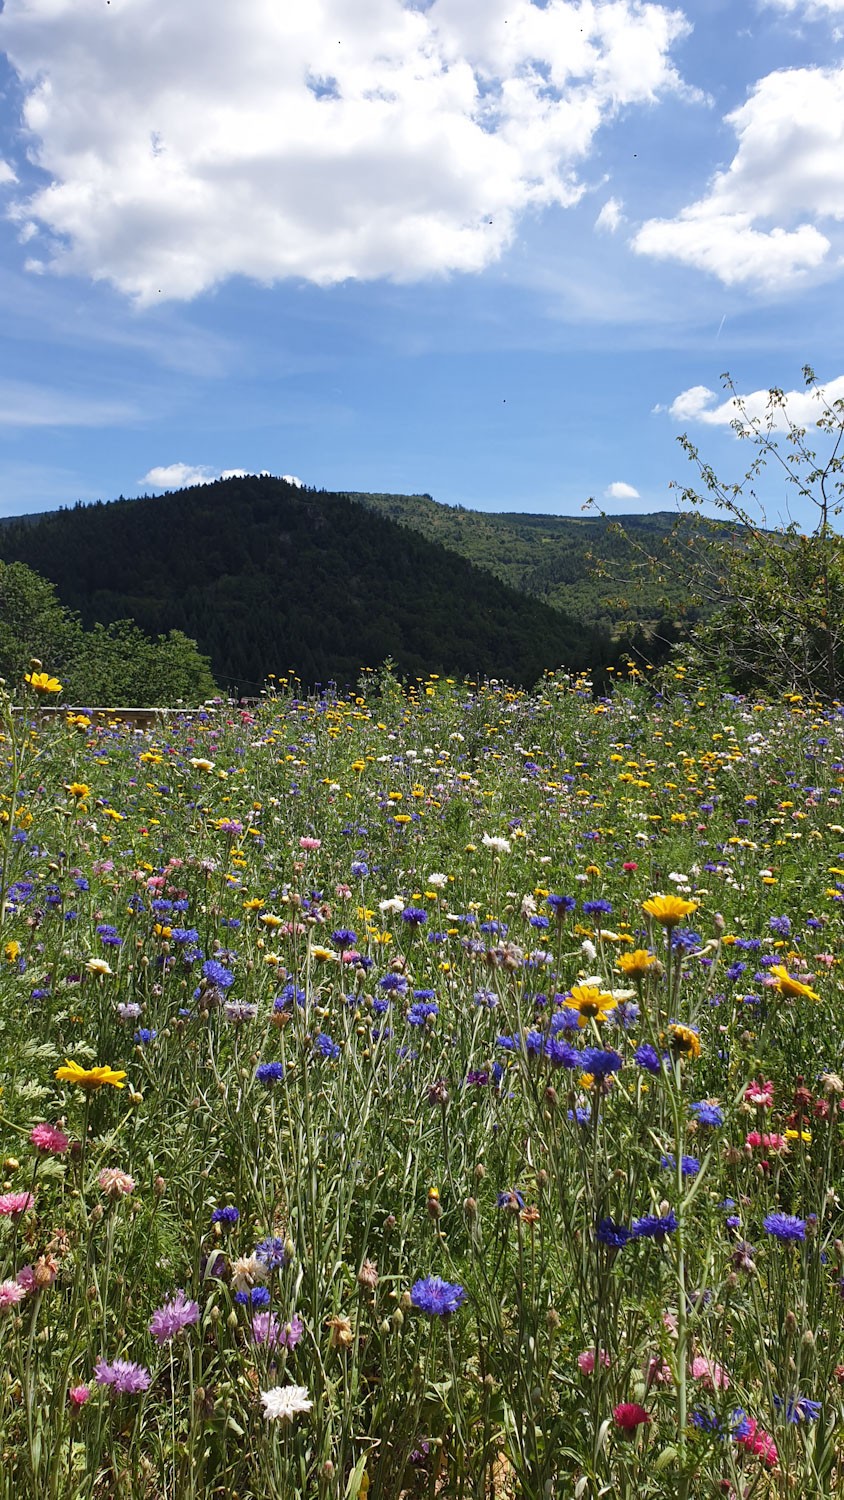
424, 1091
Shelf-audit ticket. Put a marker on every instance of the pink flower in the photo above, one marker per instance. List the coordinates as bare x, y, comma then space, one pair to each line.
712, 1375
50, 1139
11, 1293
78, 1395
629, 1415
756, 1440
306, 843
15, 1203
753, 1139
760, 1093
114, 1183
657, 1372
586, 1361
26, 1278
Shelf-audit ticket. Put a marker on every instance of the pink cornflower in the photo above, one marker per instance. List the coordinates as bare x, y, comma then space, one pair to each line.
78, 1395
629, 1415
12, 1204
760, 1093
26, 1278
306, 843
712, 1375
114, 1183
586, 1361
169, 1321
754, 1438
50, 1139
11, 1293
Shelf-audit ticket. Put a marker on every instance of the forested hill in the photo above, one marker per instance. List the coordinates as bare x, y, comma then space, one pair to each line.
592, 567
266, 576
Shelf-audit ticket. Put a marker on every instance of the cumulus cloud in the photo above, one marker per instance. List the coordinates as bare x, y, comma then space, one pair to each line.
610, 216
190, 142
618, 490
7, 174
808, 8
788, 168
700, 404
179, 476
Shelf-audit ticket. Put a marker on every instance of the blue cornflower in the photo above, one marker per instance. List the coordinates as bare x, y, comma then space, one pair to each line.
707, 1114
706, 1421
689, 1165
614, 1236
326, 1046
269, 1073
144, 1034
600, 908
781, 926
654, 1226
271, 1252
393, 984
541, 922
184, 935
217, 974
561, 1054
485, 997
109, 936
226, 1215
581, 1115
798, 1408
735, 971
512, 1199
257, 1296
560, 905
419, 1013
414, 916
600, 1061
785, 1227
344, 937
359, 868
683, 940
424, 994
436, 1297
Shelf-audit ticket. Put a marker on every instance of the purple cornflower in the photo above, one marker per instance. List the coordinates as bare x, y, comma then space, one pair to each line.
785, 1227
169, 1320
344, 937
419, 1013
269, 1073
266, 1329
436, 1297
647, 1057
393, 984
781, 926
124, 1376
238, 1011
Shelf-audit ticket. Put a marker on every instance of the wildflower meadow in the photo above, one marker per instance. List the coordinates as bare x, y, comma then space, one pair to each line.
428, 1090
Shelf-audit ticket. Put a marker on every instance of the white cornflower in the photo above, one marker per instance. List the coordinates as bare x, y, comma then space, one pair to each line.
98, 966
284, 1402
496, 844
437, 881
589, 950
247, 1271
392, 904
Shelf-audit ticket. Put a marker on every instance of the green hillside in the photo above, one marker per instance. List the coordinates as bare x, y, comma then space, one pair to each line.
266, 576
592, 567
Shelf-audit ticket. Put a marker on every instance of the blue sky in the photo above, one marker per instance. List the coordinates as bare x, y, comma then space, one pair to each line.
499, 251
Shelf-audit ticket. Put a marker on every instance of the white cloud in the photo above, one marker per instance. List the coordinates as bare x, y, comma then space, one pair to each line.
6, 173
807, 7
802, 407
788, 168
23, 405
618, 490
190, 142
179, 476
298, 484
610, 216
